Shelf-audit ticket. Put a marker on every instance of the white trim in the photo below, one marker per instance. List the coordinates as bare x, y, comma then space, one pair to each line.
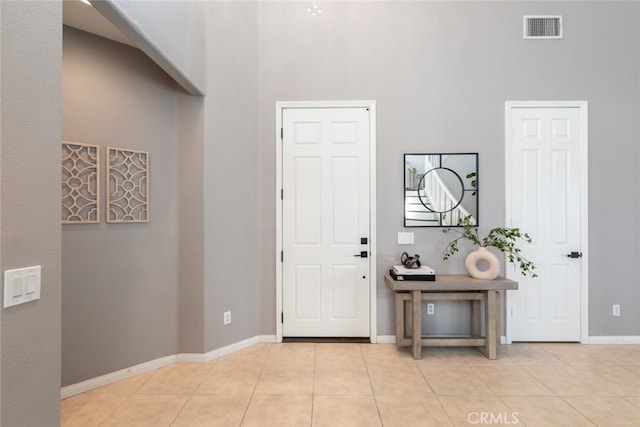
231, 348
373, 265
267, 338
214, 354
583, 106
278, 253
123, 374
371, 105
622, 339
386, 339
103, 380
191, 358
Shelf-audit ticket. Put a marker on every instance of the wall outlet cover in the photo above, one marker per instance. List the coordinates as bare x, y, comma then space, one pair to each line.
431, 309
22, 285
405, 238
616, 310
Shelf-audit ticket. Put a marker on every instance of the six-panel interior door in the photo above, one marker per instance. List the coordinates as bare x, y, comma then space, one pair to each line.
325, 173
545, 202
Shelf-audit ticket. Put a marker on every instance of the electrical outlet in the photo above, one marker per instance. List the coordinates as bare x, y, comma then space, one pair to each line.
227, 317
431, 308
616, 310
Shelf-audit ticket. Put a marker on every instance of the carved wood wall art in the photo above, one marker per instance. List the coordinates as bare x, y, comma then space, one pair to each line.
127, 185
80, 183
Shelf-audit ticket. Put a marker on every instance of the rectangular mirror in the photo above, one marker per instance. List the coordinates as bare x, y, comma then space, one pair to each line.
440, 189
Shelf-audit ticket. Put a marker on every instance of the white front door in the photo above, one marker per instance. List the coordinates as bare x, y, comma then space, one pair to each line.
545, 149
325, 222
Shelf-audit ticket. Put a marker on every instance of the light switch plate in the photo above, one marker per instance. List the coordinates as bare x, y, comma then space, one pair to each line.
405, 238
21, 285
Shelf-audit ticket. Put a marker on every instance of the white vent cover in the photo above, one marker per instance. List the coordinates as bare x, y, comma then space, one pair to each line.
542, 27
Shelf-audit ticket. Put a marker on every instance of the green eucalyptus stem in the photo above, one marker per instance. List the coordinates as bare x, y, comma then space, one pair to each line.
501, 238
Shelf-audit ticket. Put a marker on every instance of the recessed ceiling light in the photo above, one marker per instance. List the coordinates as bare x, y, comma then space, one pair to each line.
86, 2
314, 9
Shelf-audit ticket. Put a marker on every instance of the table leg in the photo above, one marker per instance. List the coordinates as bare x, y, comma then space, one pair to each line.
491, 310
475, 318
498, 317
399, 319
416, 333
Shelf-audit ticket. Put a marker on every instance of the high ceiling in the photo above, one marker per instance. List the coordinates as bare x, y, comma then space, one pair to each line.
82, 16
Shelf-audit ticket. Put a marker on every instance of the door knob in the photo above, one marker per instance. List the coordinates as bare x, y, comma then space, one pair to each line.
575, 254
362, 254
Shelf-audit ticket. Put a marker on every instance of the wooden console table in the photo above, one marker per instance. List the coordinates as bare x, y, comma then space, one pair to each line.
450, 287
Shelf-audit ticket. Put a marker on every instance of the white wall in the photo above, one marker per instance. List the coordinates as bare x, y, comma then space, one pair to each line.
170, 32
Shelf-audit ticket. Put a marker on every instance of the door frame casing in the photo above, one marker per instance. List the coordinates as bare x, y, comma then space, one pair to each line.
584, 198
371, 106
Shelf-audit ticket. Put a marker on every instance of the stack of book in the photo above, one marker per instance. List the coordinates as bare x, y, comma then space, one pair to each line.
399, 272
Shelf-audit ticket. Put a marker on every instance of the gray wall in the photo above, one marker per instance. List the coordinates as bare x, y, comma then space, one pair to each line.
231, 179
190, 224
120, 281
440, 73
30, 42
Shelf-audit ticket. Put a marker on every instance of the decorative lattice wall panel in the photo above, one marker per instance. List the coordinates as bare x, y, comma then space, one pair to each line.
127, 185
80, 183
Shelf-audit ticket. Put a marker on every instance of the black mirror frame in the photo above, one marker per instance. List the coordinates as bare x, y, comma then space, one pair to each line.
473, 190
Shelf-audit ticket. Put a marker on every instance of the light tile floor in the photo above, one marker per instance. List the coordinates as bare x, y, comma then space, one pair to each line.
305, 384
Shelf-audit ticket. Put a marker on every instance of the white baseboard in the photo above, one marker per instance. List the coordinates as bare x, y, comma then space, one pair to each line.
191, 358
219, 352
267, 338
122, 374
386, 339
103, 380
231, 348
623, 339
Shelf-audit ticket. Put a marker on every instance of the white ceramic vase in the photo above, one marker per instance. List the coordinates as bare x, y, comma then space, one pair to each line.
482, 254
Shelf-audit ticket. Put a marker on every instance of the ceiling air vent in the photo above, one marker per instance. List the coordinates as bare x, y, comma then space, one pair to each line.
542, 27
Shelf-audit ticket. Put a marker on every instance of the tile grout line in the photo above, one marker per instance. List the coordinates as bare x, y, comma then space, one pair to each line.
313, 383
577, 410
193, 393
373, 392
135, 392
511, 409
255, 386
437, 396
533, 362
181, 409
